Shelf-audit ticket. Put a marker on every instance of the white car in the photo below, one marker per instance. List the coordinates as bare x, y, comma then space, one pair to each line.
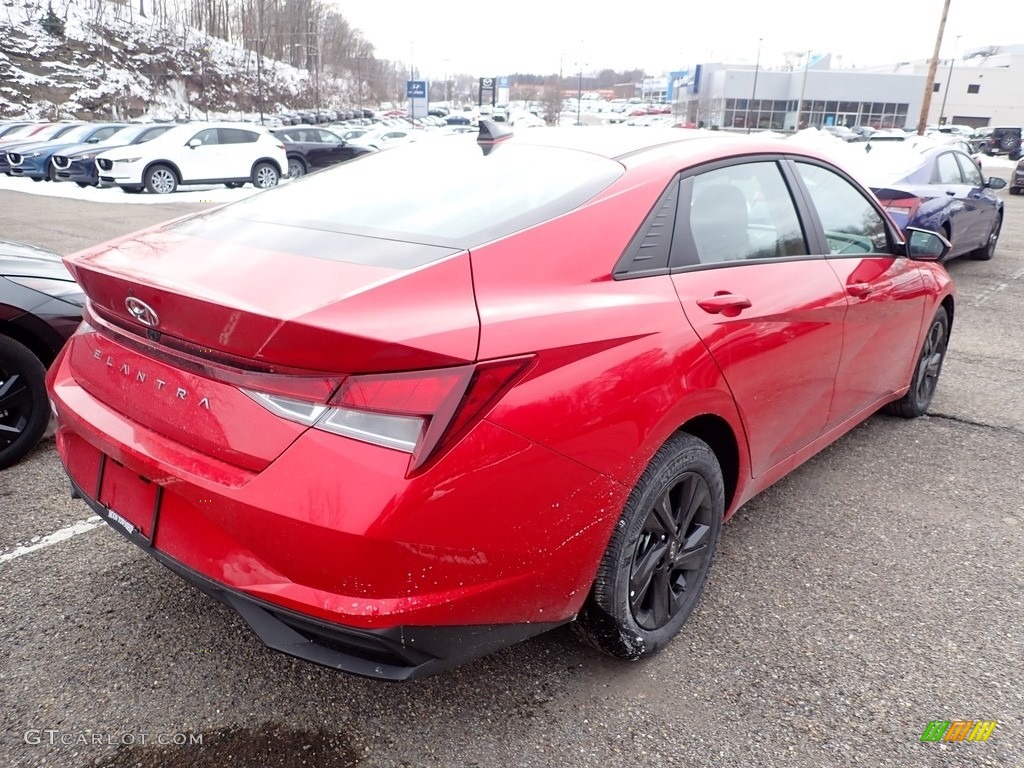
384, 138
196, 153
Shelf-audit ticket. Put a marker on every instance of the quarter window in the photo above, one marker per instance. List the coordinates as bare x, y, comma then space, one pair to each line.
743, 212
852, 224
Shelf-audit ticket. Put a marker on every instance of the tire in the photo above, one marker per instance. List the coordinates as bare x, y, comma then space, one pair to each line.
24, 405
641, 597
161, 180
926, 373
82, 184
131, 190
1009, 143
296, 168
234, 184
1014, 190
51, 173
988, 250
265, 176
1015, 155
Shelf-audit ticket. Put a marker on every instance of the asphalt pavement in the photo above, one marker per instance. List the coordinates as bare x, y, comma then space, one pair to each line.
877, 588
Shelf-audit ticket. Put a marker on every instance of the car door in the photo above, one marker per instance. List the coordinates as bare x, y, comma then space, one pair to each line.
948, 182
769, 310
331, 150
886, 291
979, 195
239, 152
203, 161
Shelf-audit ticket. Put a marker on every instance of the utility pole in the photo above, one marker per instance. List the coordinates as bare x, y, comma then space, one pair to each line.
259, 59
929, 84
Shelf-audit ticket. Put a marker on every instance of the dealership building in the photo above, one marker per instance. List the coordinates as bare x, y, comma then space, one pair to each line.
983, 90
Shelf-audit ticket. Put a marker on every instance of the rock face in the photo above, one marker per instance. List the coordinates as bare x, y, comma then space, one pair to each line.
97, 64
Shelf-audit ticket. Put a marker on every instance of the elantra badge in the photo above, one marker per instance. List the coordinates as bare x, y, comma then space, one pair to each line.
142, 312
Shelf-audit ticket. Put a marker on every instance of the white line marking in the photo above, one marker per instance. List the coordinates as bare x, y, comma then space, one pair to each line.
82, 526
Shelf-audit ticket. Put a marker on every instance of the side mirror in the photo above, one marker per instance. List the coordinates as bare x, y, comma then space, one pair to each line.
994, 182
193, 143
924, 245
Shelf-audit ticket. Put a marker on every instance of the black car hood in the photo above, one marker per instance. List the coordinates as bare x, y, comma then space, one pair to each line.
20, 260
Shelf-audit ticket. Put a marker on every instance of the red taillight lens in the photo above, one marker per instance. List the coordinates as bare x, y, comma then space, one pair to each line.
419, 412
904, 205
415, 393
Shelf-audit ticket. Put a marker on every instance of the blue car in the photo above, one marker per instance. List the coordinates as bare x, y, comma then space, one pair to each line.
33, 160
22, 137
77, 163
939, 188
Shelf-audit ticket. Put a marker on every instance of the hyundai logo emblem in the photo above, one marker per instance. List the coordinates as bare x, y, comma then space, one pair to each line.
142, 312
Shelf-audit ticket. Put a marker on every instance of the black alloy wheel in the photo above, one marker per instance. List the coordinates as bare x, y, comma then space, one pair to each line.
24, 406
660, 554
926, 374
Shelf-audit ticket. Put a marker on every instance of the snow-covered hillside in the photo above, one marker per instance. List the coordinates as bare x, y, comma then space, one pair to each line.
113, 63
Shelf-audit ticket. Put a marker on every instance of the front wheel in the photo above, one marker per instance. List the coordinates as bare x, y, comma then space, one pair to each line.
659, 557
296, 168
926, 375
988, 250
160, 180
264, 176
24, 406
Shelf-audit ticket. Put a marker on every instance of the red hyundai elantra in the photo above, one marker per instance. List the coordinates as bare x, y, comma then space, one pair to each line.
405, 412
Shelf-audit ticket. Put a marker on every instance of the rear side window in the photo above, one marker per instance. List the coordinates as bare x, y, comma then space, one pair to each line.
743, 212
852, 224
236, 136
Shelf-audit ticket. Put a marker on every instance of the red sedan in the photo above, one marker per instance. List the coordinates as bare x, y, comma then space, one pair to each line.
405, 412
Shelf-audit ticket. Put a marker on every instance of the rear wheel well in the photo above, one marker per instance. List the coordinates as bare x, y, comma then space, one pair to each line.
36, 346
716, 432
269, 161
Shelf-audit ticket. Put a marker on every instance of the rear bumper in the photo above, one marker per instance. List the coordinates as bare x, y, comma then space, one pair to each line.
331, 553
396, 653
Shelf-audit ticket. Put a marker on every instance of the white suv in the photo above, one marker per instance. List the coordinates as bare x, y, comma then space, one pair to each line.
196, 153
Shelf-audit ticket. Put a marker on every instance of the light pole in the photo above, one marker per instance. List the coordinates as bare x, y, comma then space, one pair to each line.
579, 96
949, 82
753, 93
803, 90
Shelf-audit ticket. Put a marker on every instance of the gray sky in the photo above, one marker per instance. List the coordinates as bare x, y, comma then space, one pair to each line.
446, 36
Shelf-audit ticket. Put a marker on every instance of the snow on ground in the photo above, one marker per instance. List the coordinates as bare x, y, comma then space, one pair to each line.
211, 193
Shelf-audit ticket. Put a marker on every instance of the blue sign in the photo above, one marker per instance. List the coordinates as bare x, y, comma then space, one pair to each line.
503, 82
416, 89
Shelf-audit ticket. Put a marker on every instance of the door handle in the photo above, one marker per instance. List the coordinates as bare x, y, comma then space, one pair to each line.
724, 303
858, 290
950, 193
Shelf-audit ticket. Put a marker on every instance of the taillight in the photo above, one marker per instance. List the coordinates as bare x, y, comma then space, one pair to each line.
418, 412
906, 206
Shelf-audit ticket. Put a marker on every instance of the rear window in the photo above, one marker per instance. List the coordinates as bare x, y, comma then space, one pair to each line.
439, 191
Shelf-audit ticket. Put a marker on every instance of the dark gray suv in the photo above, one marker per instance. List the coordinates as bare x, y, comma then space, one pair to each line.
998, 141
